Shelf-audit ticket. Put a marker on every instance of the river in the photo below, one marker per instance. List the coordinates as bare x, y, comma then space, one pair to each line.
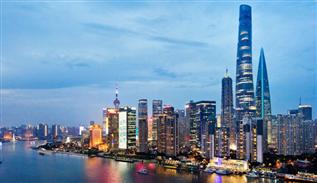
21, 164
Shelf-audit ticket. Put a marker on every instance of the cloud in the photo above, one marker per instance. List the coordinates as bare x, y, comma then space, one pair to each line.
164, 73
104, 29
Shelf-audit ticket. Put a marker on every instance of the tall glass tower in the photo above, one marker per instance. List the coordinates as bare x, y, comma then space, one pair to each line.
263, 98
263, 101
227, 108
244, 76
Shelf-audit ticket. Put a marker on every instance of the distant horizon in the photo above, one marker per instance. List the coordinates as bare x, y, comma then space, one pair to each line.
61, 64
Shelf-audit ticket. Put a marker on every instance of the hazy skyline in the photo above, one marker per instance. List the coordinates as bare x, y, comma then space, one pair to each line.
61, 61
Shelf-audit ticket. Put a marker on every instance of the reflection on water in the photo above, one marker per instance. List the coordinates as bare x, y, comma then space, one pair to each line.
21, 164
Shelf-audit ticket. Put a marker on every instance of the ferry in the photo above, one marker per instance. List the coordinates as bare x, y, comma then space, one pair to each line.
299, 178
223, 172
171, 164
124, 159
252, 174
209, 170
43, 152
143, 171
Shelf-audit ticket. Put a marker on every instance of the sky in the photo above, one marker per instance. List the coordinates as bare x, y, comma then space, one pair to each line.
61, 61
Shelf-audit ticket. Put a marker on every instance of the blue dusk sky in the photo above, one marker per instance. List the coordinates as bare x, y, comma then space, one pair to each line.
61, 61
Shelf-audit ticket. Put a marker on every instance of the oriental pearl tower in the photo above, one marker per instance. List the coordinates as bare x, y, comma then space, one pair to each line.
116, 101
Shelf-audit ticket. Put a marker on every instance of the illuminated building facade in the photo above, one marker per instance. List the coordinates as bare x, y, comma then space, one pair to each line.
95, 136
227, 109
157, 109
244, 76
263, 100
222, 136
127, 128
294, 135
190, 109
143, 126
8, 135
111, 121
183, 128
250, 139
202, 116
168, 132
149, 127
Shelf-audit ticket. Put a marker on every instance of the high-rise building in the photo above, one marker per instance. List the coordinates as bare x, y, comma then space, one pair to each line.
127, 128
183, 130
222, 135
308, 133
263, 99
143, 125
201, 115
306, 111
244, 76
168, 132
157, 107
55, 130
149, 127
249, 142
292, 135
289, 135
42, 131
205, 116
190, 110
95, 135
227, 109
111, 121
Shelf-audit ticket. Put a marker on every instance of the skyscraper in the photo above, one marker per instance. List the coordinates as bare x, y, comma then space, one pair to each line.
143, 126
306, 111
95, 138
111, 121
168, 132
227, 109
127, 128
201, 115
42, 131
244, 76
55, 131
263, 99
156, 111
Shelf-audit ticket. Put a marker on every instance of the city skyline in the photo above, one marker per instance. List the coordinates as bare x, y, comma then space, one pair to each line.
176, 66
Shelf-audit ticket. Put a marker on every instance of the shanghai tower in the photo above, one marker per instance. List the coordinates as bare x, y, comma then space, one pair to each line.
244, 77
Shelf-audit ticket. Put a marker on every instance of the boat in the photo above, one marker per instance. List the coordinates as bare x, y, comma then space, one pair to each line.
43, 152
299, 178
223, 172
171, 164
209, 170
252, 175
124, 159
143, 171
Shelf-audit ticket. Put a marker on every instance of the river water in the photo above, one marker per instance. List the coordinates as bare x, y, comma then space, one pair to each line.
21, 164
